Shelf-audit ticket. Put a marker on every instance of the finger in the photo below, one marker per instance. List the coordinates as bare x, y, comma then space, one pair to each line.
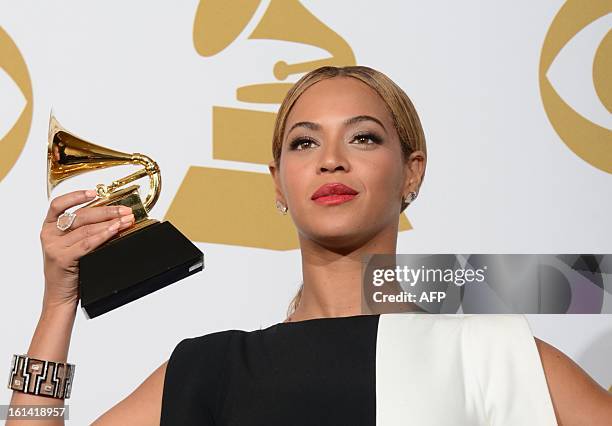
84, 246
87, 215
85, 231
60, 204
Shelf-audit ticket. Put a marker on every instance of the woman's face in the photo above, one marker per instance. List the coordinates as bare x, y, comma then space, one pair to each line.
340, 131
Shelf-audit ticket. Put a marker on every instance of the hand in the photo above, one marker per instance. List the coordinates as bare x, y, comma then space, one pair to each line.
62, 249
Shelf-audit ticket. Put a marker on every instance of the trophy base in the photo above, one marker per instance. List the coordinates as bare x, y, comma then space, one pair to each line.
138, 263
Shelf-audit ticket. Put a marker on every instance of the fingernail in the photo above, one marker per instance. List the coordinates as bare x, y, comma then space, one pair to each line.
123, 210
91, 193
127, 219
114, 226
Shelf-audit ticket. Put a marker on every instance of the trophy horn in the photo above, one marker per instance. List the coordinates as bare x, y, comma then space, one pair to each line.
133, 262
69, 155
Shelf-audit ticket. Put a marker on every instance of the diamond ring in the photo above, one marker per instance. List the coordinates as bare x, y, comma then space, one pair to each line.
65, 221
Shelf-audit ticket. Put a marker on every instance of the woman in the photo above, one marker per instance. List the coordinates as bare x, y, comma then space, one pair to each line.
349, 156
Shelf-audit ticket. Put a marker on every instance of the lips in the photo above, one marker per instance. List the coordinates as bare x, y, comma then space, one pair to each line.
334, 189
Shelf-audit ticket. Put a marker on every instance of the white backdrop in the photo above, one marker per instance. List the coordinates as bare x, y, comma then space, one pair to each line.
126, 75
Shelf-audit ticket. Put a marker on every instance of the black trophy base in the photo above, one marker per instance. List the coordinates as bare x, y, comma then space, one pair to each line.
135, 265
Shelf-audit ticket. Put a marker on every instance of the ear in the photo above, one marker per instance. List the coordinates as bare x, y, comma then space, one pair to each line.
414, 168
274, 171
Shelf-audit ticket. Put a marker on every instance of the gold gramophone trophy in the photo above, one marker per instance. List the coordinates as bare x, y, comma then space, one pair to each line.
140, 260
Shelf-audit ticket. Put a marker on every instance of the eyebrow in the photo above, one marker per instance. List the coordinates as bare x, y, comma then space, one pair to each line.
308, 124
357, 119
361, 118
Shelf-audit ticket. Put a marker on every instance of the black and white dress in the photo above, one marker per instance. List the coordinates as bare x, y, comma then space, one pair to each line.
388, 369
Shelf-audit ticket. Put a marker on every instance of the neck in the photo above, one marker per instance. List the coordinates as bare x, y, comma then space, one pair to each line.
333, 276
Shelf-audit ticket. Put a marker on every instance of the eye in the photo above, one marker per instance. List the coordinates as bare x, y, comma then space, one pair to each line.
301, 143
367, 139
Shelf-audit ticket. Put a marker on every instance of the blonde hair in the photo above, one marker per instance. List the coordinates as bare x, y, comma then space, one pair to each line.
405, 118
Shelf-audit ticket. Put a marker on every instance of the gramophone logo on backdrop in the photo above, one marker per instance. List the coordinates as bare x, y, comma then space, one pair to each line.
13, 141
237, 207
590, 141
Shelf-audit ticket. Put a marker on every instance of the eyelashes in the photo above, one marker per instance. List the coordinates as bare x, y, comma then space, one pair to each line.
376, 140
298, 143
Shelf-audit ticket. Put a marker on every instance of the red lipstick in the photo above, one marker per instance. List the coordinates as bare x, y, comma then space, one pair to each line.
333, 193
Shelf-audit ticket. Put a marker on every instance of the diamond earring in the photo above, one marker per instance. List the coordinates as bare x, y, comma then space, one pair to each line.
281, 208
410, 197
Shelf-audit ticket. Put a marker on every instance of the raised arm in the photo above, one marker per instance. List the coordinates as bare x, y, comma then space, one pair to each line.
62, 251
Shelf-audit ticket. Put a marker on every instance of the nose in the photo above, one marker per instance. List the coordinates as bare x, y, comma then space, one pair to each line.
333, 158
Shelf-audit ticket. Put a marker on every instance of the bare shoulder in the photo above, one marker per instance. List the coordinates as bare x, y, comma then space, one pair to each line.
576, 397
141, 407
